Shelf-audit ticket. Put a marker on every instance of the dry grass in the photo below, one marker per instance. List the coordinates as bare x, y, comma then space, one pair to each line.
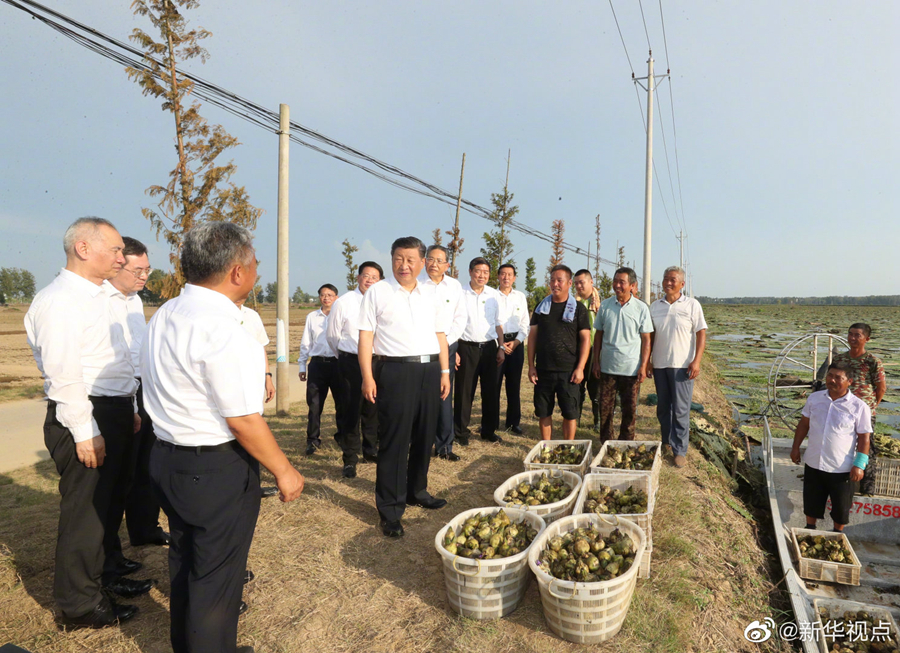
328, 580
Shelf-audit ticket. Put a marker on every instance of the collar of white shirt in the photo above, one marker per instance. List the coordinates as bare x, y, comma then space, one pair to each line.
81, 283
395, 285
681, 298
213, 298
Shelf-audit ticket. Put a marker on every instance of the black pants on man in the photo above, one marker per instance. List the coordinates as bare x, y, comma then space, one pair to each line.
477, 362
90, 510
409, 398
511, 371
590, 386
443, 441
360, 416
211, 497
322, 375
141, 506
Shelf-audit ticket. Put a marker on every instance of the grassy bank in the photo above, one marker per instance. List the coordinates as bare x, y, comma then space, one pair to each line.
328, 580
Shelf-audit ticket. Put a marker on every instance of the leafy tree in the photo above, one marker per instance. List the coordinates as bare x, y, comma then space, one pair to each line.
151, 294
17, 285
271, 295
530, 281
497, 245
620, 257
2, 299
536, 295
557, 253
437, 237
302, 297
603, 284
352, 272
198, 189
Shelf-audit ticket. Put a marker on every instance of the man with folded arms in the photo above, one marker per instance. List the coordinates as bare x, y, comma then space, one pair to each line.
404, 363
839, 426
91, 420
202, 371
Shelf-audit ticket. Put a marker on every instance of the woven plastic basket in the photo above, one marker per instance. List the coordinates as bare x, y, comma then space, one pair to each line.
597, 468
486, 589
825, 570
586, 613
887, 477
580, 469
549, 511
836, 609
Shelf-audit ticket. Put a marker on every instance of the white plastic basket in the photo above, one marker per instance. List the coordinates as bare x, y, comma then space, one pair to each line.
549, 511
531, 460
596, 467
837, 607
486, 589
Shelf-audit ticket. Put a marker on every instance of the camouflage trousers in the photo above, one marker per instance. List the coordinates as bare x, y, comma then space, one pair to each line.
628, 390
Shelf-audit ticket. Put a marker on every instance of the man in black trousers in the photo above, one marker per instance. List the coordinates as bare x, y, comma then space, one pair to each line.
514, 317
91, 421
404, 363
480, 353
203, 375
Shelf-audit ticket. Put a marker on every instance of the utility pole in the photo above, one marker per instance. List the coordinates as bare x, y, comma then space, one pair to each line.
453, 252
681, 243
648, 180
283, 306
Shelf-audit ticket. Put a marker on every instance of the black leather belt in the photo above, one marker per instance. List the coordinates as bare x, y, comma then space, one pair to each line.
480, 345
325, 359
509, 337
111, 400
231, 445
428, 358
347, 354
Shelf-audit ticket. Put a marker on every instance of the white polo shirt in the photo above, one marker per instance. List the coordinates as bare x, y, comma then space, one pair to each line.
514, 313
200, 366
69, 327
483, 314
314, 342
343, 328
675, 326
833, 427
405, 323
253, 323
450, 298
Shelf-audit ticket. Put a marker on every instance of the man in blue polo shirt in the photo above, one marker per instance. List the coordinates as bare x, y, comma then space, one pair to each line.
621, 353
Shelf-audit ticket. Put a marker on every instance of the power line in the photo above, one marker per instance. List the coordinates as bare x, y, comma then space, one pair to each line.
621, 37
665, 42
641, 5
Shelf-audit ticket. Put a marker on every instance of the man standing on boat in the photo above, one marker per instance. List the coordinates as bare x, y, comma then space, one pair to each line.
839, 426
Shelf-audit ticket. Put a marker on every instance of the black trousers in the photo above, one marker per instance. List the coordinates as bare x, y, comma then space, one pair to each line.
590, 385
360, 416
322, 375
511, 371
476, 363
212, 501
91, 505
141, 506
409, 397
443, 441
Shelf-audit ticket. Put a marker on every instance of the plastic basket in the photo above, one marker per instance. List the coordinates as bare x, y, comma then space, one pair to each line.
597, 468
825, 570
486, 589
622, 482
549, 511
837, 607
887, 477
534, 455
586, 613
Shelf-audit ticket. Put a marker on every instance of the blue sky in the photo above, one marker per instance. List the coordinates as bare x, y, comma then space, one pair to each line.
785, 117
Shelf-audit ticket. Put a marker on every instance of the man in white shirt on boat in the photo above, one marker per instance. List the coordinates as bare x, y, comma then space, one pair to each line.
839, 427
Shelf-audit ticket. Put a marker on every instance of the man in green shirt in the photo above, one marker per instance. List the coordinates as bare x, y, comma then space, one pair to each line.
588, 297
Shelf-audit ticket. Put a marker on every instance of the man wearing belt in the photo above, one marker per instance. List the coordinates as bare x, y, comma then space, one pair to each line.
342, 334
91, 421
202, 374
404, 362
479, 356
514, 318
450, 298
319, 369
141, 507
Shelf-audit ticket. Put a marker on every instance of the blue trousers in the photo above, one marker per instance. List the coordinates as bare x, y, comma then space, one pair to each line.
443, 441
675, 391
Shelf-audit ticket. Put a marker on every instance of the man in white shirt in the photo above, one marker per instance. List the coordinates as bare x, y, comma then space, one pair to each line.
450, 298
404, 362
839, 426
91, 420
342, 333
514, 318
677, 342
201, 371
319, 368
480, 354
141, 507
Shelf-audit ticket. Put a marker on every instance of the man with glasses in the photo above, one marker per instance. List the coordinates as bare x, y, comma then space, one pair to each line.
449, 292
360, 417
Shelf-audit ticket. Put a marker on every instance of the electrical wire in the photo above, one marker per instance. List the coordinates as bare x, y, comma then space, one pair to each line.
622, 38
644, 20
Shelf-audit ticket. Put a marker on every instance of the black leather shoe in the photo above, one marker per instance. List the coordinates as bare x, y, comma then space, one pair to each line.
349, 471
244, 649
128, 588
311, 448
493, 437
370, 457
106, 613
159, 538
242, 608
462, 440
515, 430
392, 528
126, 566
268, 491
448, 455
430, 502
248, 576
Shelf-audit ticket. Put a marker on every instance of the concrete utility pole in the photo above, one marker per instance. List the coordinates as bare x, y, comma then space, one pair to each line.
681, 243
283, 305
453, 270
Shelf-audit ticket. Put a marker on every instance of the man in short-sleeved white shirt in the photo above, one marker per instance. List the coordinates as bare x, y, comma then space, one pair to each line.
677, 341
404, 363
839, 426
201, 372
